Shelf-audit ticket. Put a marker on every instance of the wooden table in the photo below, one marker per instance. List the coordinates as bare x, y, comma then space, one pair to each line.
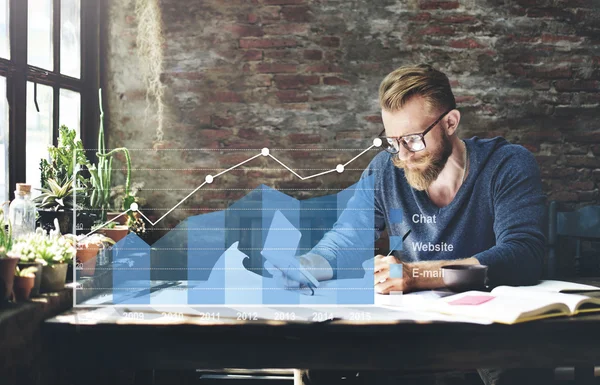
191, 343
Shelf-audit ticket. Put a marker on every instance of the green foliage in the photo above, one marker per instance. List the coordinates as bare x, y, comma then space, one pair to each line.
47, 248
101, 172
64, 159
55, 197
26, 272
6, 240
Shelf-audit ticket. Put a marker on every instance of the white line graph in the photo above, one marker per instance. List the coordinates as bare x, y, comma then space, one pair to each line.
210, 179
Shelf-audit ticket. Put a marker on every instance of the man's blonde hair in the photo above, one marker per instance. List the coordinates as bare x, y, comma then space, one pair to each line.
402, 84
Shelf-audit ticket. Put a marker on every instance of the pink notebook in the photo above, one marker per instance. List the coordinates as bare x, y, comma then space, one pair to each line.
472, 300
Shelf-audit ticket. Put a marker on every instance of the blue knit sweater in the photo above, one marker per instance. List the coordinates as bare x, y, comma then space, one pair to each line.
497, 215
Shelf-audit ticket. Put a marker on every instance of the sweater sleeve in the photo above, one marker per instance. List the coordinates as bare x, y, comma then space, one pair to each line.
519, 217
351, 240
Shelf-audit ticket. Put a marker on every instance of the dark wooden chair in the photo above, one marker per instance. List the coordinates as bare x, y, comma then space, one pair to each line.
566, 228
565, 231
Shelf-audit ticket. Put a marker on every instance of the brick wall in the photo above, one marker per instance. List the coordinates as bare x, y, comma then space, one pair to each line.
303, 75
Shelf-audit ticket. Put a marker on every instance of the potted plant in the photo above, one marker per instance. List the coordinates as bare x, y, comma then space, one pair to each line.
24, 281
59, 180
87, 250
56, 202
26, 262
101, 182
7, 262
54, 250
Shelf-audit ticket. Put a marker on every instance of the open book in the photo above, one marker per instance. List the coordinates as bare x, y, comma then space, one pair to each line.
510, 305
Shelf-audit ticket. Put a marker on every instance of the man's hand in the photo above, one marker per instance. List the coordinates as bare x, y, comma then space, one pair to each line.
383, 283
423, 275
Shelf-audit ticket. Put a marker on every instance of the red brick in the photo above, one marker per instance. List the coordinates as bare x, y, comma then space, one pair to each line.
323, 68
465, 43
247, 133
531, 147
581, 185
296, 81
465, 99
563, 196
436, 30
423, 16
223, 121
267, 43
327, 98
287, 29
284, 2
313, 54
582, 161
596, 150
245, 30
348, 134
227, 97
546, 160
428, 4
541, 136
253, 55
335, 81
373, 119
330, 41
252, 18
577, 85
458, 19
548, 38
276, 68
215, 134
292, 96
584, 137
551, 73
298, 138
297, 14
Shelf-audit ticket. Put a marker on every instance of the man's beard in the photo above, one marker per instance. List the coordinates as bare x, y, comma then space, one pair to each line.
419, 178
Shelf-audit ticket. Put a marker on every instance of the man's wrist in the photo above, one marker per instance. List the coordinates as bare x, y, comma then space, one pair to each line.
426, 275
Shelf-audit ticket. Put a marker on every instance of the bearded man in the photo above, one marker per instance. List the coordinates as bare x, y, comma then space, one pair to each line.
465, 201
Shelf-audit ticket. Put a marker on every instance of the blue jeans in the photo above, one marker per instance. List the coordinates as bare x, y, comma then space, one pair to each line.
513, 376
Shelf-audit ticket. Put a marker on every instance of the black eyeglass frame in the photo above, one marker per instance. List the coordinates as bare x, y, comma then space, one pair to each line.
399, 139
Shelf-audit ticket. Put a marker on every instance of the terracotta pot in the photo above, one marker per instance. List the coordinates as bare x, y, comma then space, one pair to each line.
54, 277
22, 287
35, 291
7, 276
86, 259
120, 221
116, 233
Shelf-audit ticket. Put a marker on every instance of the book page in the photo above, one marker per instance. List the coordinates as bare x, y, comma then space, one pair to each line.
504, 308
571, 300
560, 286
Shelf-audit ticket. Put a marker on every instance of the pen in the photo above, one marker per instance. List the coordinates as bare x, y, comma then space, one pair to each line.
403, 239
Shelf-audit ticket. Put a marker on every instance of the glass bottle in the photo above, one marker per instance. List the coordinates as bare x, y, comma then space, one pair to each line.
22, 211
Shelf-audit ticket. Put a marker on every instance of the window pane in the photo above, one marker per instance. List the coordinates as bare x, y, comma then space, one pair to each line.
39, 131
70, 38
39, 41
4, 29
3, 141
70, 110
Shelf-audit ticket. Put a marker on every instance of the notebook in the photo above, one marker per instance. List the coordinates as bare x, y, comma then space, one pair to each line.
515, 304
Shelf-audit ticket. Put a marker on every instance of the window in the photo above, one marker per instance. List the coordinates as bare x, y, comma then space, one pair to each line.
48, 78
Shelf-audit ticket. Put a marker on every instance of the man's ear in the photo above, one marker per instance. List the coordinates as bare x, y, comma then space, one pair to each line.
452, 120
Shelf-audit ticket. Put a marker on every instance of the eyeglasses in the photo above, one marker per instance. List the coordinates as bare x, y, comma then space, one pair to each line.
412, 142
